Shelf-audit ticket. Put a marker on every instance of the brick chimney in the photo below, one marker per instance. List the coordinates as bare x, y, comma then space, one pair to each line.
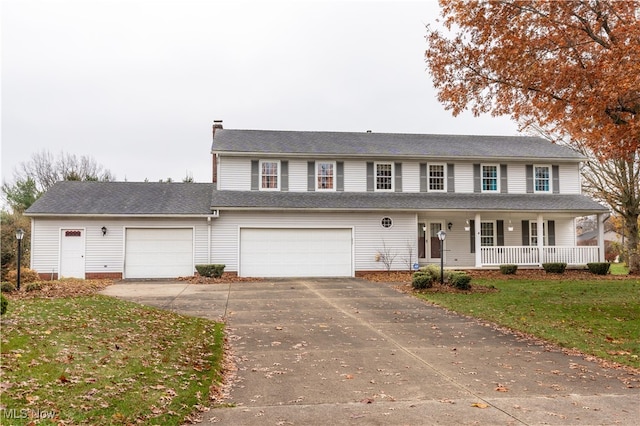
217, 124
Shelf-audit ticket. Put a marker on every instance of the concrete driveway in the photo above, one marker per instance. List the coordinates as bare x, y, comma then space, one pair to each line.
352, 352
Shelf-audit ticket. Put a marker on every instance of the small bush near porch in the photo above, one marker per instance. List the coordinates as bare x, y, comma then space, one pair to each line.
595, 316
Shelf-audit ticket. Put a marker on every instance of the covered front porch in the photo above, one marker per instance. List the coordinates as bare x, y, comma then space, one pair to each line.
491, 239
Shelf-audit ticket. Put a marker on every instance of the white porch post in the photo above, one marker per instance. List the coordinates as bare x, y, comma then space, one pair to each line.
540, 227
601, 248
478, 241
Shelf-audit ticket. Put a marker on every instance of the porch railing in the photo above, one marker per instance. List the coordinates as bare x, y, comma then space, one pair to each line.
525, 255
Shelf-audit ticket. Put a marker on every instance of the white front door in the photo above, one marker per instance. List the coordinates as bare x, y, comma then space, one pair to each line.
72, 253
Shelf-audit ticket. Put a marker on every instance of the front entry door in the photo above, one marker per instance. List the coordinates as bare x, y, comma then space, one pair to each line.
434, 242
72, 253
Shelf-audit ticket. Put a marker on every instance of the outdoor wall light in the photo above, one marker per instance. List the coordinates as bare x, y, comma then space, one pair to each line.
449, 226
510, 226
467, 227
104, 231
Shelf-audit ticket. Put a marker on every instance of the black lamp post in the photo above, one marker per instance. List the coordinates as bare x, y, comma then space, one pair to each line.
19, 237
441, 236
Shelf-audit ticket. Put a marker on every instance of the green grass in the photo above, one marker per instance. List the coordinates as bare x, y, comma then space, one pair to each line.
98, 360
599, 317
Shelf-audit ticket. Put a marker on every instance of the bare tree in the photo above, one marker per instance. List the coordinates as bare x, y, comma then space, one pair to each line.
386, 256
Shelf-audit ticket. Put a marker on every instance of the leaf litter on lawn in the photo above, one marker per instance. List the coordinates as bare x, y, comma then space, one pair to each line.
92, 359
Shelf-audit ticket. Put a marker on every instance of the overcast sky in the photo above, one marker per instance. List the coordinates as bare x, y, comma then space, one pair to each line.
137, 84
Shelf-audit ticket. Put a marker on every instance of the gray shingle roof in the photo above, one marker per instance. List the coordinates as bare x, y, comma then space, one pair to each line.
574, 203
388, 145
175, 199
130, 198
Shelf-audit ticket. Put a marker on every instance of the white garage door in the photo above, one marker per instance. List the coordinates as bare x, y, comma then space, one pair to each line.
158, 253
295, 252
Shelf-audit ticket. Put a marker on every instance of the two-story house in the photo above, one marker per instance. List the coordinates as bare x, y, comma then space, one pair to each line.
290, 203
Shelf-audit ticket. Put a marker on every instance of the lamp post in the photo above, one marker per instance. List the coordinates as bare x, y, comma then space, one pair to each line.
441, 236
19, 237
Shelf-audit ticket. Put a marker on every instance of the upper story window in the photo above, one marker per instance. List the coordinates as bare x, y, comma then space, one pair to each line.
437, 179
490, 178
541, 179
269, 175
384, 176
325, 176
487, 234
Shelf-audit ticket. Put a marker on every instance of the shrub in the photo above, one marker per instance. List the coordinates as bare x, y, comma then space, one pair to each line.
26, 276
432, 270
422, 280
4, 303
33, 286
508, 269
210, 270
554, 267
7, 287
599, 268
459, 280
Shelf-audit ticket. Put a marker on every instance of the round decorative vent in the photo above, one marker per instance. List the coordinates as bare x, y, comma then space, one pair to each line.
386, 222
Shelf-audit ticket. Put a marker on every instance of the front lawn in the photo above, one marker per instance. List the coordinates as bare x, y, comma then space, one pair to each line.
597, 317
101, 361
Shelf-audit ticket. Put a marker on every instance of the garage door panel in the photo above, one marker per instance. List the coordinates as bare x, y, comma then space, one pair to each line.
158, 253
295, 252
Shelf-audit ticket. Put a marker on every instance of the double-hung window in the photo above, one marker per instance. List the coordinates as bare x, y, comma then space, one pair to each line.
269, 175
437, 181
490, 178
533, 233
487, 234
541, 179
325, 176
384, 176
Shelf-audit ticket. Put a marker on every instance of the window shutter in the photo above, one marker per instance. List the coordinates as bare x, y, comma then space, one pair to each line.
551, 229
503, 179
500, 232
284, 175
370, 177
311, 176
529, 177
451, 187
555, 174
472, 235
255, 175
339, 176
398, 177
476, 179
423, 177
525, 232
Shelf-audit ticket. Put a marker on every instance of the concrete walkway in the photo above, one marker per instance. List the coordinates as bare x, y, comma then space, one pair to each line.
352, 352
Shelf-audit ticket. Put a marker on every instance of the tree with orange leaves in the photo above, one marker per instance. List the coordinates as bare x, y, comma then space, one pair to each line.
570, 67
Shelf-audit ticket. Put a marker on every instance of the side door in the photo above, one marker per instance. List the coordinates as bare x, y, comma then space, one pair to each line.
72, 245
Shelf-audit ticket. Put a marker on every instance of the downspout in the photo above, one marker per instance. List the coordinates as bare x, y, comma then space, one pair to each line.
209, 240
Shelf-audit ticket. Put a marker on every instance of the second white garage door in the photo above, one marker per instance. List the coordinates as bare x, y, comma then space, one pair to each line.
295, 252
158, 253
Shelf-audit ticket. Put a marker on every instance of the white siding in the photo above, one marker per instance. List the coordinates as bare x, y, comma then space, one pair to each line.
298, 175
103, 254
235, 173
570, 179
411, 176
517, 178
369, 234
355, 176
464, 177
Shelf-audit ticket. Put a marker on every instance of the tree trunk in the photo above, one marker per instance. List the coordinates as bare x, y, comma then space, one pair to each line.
632, 240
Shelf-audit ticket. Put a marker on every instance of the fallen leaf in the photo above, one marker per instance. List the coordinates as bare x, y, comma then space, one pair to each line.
479, 405
502, 388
